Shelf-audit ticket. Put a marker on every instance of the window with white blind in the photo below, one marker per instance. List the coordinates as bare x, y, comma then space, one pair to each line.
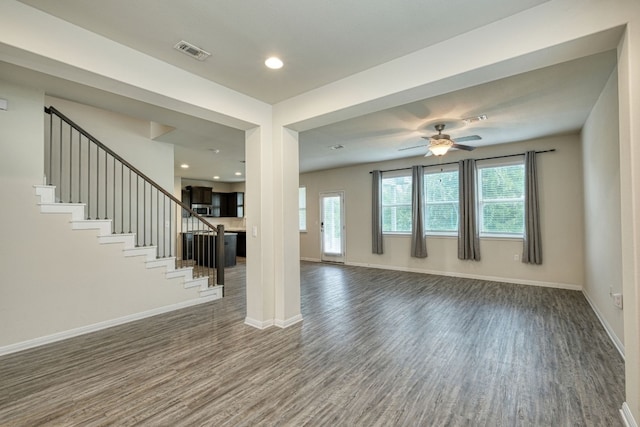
501, 199
396, 203
441, 201
302, 208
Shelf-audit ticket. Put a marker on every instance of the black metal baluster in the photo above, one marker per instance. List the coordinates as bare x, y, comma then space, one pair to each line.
137, 211
60, 170
122, 197
49, 180
130, 209
88, 179
158, 222
70, 163
113, 223
164, 213
79, 168
106, 191
171, 229
144, 213
97, 182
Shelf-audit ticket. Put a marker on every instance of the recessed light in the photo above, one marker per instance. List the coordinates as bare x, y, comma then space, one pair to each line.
215, 150
274, 63
238, 173
216, 177
184, 166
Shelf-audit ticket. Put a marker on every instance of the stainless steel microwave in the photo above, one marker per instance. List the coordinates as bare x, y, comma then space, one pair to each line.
204, 210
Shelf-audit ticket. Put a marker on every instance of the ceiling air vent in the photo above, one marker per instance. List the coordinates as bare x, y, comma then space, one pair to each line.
191, 50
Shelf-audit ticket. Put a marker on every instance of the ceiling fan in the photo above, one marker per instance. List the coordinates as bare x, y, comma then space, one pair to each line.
441, 143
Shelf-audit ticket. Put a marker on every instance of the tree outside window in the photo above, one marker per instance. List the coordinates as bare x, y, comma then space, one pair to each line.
396, 204
501, 200
441, 202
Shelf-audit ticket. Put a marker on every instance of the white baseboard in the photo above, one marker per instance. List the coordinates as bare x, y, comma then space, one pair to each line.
568, 286
614, 338
627, 416
259, 324
288, 322
310, 259
36, 342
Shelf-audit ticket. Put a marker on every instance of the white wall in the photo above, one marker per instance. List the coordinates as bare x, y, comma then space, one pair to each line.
53, 279
560, 180
126, 136
601, 170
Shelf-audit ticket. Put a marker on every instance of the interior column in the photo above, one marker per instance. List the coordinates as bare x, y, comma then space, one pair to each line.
273, 242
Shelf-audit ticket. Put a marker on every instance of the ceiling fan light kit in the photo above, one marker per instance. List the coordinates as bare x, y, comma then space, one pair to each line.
439, 149
441, 143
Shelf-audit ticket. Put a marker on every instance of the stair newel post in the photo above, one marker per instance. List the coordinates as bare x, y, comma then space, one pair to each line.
220, 255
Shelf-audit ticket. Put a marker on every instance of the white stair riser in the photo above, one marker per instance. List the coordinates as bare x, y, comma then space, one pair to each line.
187, 273
47, 193
75, 209
200, 282
128, 240
167, 263
147, 251
102, 225
215, 291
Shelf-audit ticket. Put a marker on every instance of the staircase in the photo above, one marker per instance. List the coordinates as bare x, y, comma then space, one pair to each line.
76, 212
101, 191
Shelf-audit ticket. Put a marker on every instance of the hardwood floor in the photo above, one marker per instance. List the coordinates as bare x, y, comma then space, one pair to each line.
376, 348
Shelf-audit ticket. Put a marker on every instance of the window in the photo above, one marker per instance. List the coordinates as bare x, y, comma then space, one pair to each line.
396, 204
302, 208
441, 201
501, 200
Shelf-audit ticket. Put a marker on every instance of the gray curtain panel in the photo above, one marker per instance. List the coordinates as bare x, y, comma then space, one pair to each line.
532, 248
376, 220
418, 243
468, 233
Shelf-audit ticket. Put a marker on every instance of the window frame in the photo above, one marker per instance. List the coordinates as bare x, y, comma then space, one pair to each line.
496, 163
429, 170
389, 175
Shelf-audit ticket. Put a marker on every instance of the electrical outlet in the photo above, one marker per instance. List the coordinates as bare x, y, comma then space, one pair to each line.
516, 257
617, 300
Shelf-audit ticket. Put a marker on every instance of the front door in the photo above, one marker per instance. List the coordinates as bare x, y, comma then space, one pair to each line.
332, 229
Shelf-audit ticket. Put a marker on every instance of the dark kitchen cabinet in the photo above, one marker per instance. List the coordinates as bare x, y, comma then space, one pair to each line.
201, 247
200, 195
186, 199
232, 205
241, 243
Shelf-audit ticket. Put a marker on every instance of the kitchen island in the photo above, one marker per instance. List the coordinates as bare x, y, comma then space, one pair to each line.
201, 247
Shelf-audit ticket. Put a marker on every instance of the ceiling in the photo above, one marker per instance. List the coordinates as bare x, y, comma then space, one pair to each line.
321, 42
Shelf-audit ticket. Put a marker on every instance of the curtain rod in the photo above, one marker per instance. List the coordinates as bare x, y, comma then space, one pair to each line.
484, 158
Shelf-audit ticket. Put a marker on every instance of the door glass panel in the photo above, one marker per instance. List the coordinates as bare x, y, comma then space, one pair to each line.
332, 236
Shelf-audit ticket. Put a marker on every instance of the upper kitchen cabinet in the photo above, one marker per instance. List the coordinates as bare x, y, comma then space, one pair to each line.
232, 205
201, 195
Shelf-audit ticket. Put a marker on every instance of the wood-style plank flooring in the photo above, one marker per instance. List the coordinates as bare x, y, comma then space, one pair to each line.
376, 348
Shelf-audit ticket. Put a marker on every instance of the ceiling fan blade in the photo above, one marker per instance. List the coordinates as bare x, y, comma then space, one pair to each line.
469, 138
411, 148
463, 147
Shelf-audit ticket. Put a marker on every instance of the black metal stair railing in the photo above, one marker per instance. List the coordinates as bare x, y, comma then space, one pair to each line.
84, 170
